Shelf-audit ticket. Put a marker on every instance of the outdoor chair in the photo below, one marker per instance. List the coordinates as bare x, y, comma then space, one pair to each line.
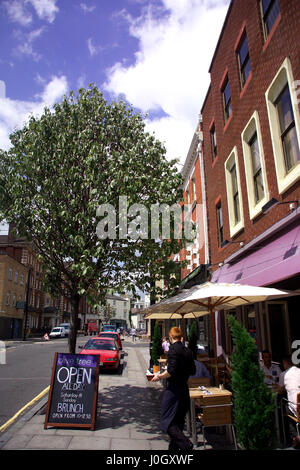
290, 416
215, 415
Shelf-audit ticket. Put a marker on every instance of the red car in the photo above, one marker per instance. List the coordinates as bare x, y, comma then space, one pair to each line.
111, 334
107, 349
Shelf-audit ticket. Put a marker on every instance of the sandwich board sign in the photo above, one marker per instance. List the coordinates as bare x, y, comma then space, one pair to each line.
73, 391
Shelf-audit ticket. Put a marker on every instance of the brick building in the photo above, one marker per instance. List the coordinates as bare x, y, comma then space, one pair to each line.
21, 251
13, 279
251, 137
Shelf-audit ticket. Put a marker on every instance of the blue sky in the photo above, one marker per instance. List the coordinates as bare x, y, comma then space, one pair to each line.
153, 53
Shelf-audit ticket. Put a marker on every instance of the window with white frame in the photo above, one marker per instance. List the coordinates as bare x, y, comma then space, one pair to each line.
233, 187
10, 274
21, 279
14, 300
8, 298
16, 277
284, 119
255, 170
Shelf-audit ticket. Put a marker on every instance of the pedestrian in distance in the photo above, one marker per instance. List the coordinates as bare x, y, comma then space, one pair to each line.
165, 345
133, 334
176, 398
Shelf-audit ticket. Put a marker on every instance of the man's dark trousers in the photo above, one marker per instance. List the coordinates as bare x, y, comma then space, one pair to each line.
178, 439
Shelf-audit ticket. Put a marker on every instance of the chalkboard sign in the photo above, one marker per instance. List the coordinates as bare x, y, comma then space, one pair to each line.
73, 392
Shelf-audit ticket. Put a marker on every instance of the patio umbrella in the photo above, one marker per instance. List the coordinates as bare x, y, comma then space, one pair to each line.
207, 298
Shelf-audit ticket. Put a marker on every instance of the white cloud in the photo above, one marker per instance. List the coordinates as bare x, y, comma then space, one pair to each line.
86, 8
171, 68
14, 113
17, 12
45, 9
25, 46
94, 50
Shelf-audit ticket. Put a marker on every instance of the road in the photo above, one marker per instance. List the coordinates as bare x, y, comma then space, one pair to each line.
27, 372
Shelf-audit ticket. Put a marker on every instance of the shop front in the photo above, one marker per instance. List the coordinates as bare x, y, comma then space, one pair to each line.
270, 260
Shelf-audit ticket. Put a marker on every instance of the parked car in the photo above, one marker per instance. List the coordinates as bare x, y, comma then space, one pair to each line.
66, 326
109, 328
111, 334
58, 332
107, 349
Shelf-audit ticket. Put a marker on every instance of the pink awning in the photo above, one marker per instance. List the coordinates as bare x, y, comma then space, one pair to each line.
273, 262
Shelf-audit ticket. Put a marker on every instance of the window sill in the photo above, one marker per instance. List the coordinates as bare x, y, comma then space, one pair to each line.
271, 33
246, 85
227, 123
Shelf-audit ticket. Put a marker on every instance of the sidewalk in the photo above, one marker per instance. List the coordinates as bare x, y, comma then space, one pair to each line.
127, 419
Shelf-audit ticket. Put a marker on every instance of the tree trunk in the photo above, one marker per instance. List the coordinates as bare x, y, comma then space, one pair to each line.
73, 323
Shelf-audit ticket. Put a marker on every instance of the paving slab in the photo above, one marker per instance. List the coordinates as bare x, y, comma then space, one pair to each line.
90, 443
49, 442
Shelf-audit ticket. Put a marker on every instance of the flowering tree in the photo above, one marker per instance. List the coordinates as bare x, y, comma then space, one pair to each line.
84, 155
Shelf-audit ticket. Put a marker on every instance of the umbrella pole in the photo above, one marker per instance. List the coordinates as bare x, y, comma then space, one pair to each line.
214, 339
182, 326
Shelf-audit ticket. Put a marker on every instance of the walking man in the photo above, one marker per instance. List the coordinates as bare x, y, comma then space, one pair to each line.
133, 334
176, 399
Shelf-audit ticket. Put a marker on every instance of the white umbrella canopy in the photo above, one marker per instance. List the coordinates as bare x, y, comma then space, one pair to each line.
204, 299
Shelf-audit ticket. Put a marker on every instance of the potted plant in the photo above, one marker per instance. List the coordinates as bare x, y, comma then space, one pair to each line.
157, 350
253, 402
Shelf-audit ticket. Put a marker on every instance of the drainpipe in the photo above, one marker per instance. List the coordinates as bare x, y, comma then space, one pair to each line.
200, 152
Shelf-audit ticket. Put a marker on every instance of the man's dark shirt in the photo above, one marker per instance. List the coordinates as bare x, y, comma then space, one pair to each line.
180, 363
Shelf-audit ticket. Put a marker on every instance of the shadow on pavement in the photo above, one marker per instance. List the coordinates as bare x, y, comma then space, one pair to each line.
130, 405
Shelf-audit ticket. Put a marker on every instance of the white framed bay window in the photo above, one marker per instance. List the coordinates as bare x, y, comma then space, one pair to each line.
284, 120
234, 193
255, 168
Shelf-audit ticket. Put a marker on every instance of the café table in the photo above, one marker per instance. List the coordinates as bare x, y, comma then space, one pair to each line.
216, 406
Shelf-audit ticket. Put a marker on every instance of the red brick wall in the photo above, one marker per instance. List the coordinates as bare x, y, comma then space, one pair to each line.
265, 62
196, 172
